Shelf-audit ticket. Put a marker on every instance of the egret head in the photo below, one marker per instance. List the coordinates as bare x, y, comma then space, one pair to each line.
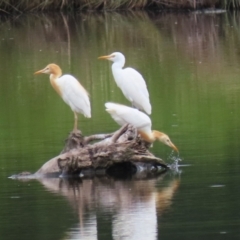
164, 138
114, 57
51, 69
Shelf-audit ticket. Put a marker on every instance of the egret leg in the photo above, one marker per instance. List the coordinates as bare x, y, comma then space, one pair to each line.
75, 121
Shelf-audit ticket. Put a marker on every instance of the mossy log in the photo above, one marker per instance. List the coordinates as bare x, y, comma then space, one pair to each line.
119, 150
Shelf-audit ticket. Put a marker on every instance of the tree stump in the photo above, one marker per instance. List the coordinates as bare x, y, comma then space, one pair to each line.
118, 152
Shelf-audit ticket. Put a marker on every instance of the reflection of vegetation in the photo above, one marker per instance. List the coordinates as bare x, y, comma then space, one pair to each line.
72, 5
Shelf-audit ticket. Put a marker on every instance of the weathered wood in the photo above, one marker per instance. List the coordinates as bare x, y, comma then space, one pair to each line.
79, 155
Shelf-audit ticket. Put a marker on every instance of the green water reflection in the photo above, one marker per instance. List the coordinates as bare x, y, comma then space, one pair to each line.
191, 65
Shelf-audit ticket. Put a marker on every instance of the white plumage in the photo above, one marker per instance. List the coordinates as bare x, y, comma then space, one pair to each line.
70, 89
130, 82
127, 115
74, 95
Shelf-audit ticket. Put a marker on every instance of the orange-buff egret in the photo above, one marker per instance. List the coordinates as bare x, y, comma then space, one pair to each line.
130, 82
127, 115
70, 90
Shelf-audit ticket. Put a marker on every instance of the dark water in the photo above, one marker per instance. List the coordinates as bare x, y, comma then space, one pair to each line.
191, 66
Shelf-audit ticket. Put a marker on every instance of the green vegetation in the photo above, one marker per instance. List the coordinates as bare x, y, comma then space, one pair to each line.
7, 6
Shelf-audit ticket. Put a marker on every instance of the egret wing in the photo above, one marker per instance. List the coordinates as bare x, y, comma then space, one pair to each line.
127, 115
137, 80
75, 95
134, 88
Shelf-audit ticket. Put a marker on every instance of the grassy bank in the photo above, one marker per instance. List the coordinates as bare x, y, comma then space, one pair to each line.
8, 6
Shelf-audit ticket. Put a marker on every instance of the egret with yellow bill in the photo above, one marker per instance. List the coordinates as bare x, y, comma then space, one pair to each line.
127, 115
70, 90
130, 82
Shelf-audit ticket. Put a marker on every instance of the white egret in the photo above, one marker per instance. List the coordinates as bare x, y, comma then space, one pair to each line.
130, 82
70, 90
127, 115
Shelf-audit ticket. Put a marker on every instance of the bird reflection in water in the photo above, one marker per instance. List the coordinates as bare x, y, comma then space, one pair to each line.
132, 206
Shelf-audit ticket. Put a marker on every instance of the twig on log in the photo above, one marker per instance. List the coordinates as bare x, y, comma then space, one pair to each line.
119, 132
91, 138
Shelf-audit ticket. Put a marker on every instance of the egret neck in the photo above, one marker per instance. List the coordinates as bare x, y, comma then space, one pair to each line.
119, 62
149, 137
56, 73
156, 135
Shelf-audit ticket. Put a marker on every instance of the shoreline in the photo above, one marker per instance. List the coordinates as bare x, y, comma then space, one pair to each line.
9, 6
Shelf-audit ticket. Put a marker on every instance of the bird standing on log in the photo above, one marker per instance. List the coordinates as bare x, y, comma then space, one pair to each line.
70, 90
127, 115
130, 82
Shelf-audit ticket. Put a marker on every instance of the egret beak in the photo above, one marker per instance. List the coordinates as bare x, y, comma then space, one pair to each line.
40, 71
174, 147
162, 137
104, 57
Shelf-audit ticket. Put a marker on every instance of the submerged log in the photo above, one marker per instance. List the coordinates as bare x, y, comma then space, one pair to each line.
119, 150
